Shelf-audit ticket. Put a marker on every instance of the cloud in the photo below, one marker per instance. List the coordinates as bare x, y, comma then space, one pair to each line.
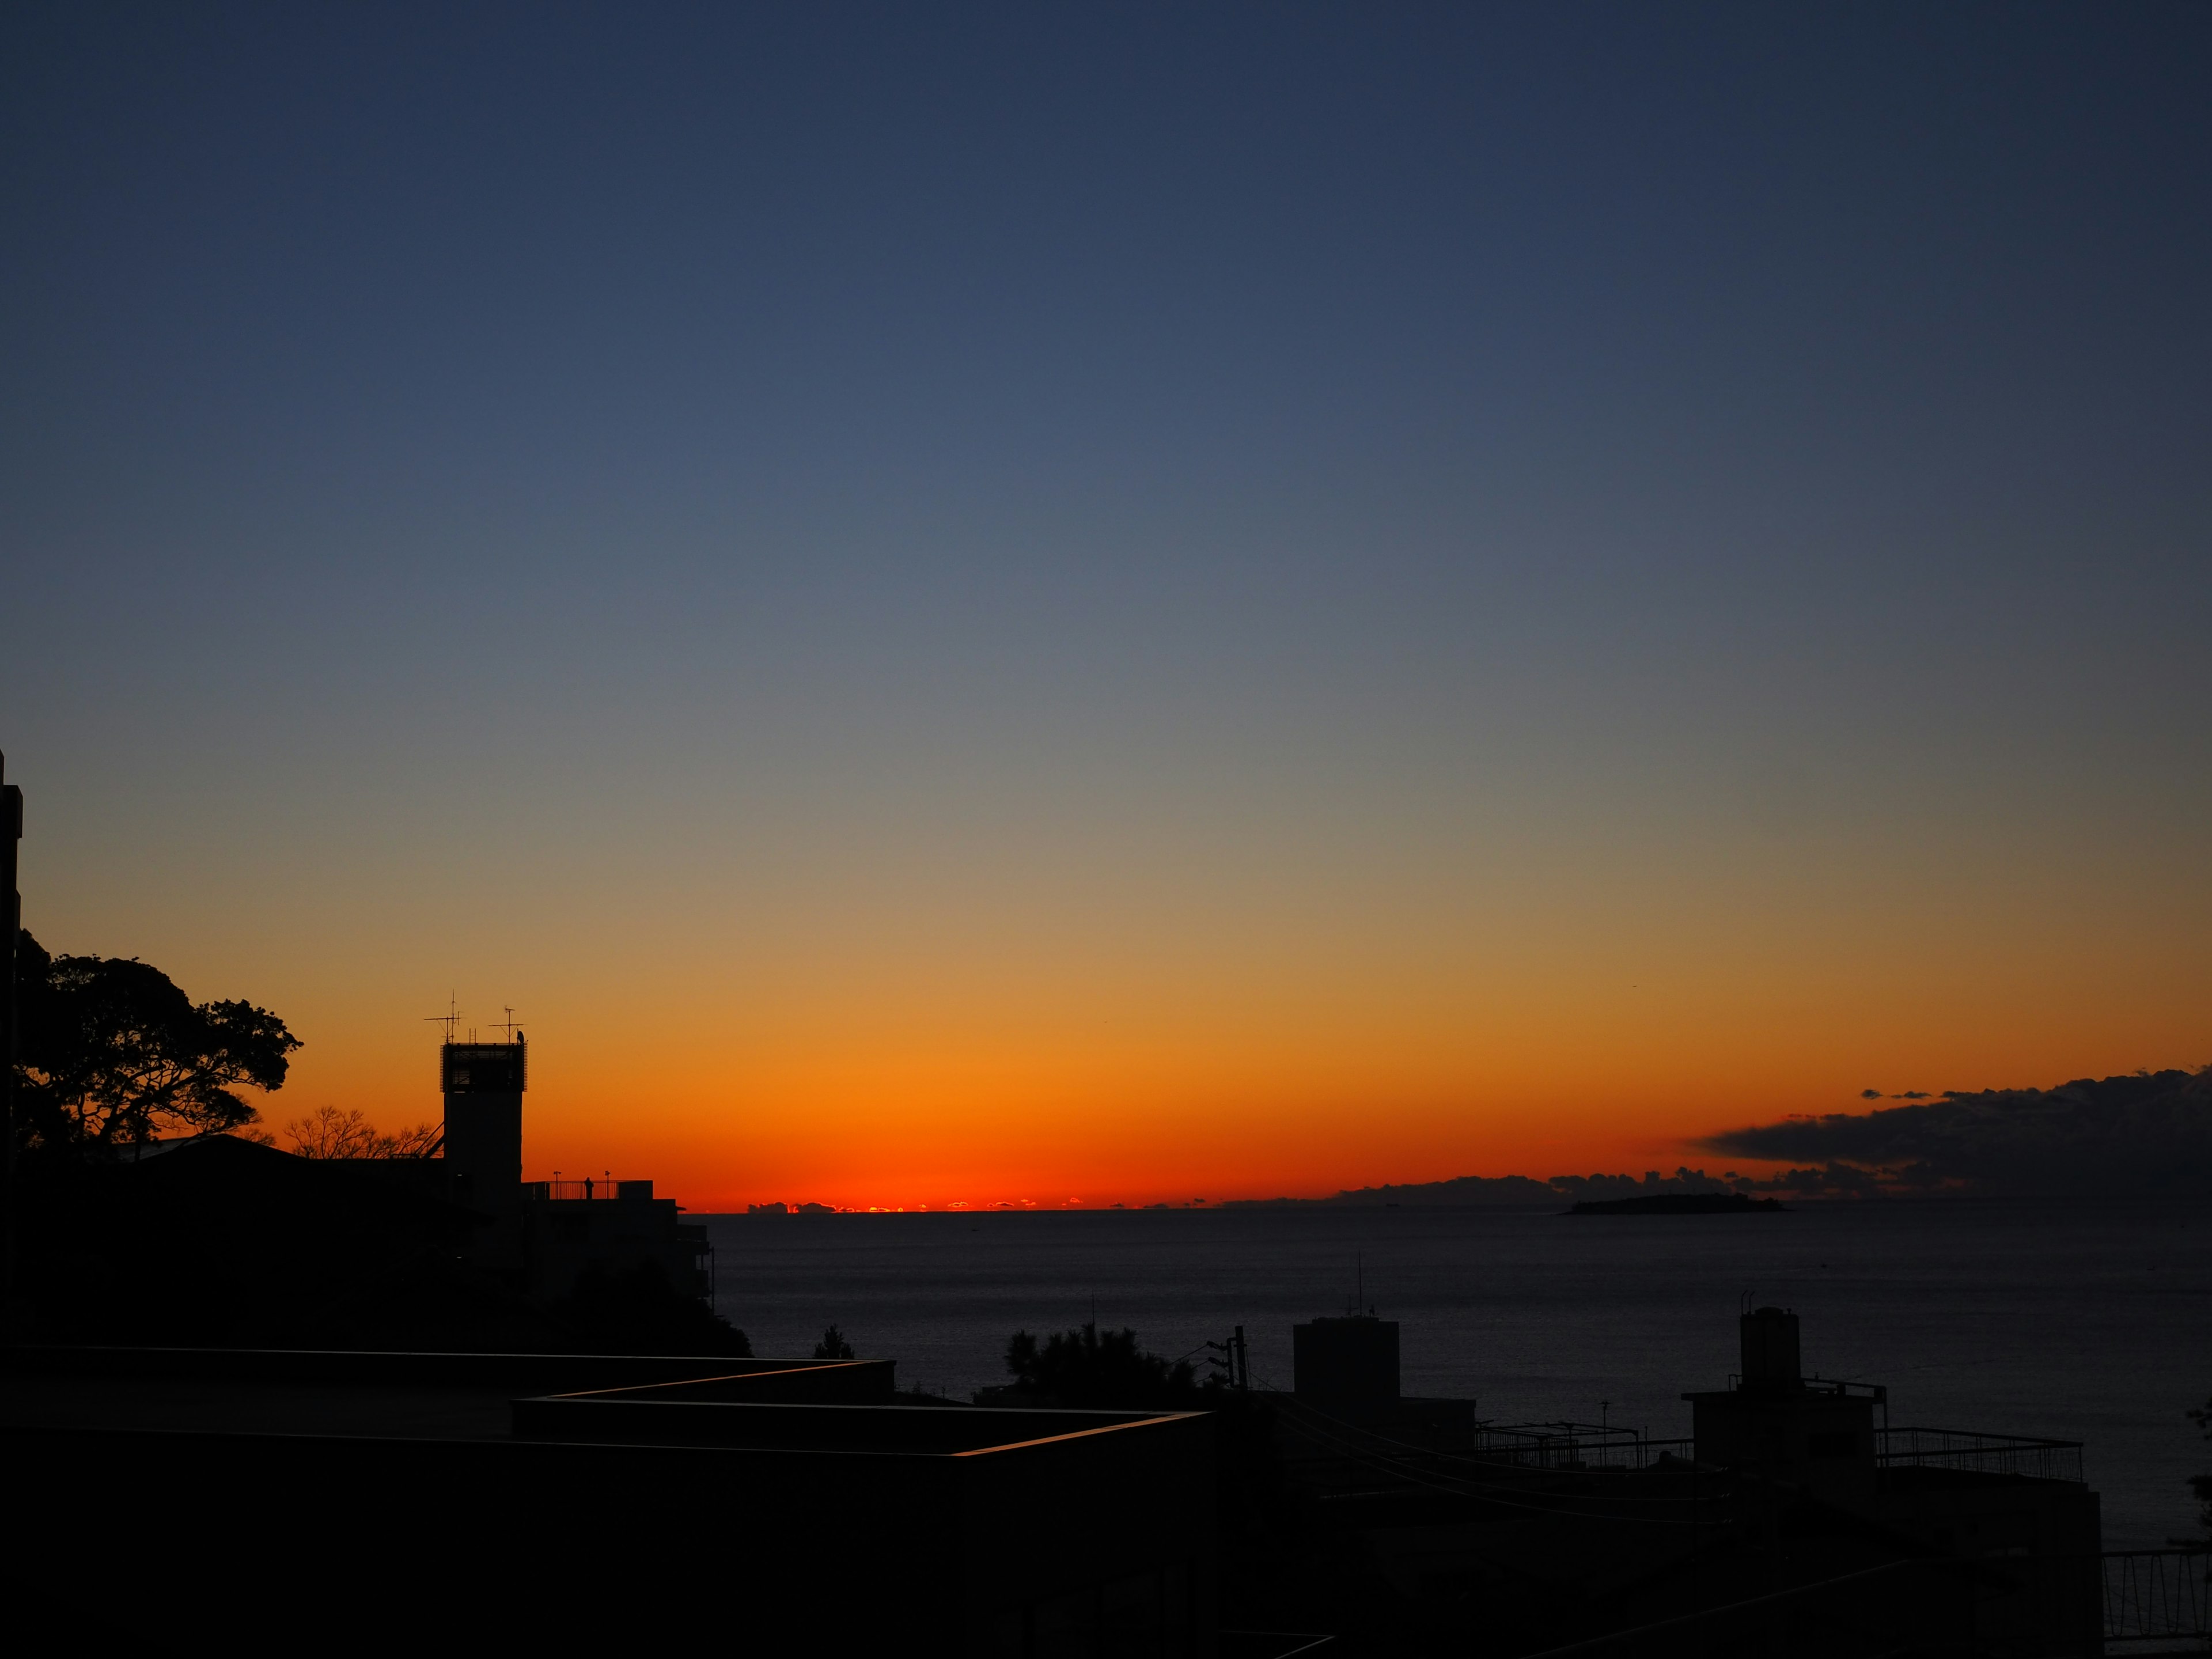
1870, 1094
2149, 1133
1829, 1181
1462, 1191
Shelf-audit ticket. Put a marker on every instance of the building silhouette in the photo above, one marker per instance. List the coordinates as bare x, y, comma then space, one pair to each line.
568, 1501
1796, 1519
542, 1239
481, 1148
2016, 1509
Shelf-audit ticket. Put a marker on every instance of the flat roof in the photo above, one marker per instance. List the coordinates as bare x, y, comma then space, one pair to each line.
787, 1405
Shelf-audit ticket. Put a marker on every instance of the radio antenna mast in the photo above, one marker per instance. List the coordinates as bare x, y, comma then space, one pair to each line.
450, 1018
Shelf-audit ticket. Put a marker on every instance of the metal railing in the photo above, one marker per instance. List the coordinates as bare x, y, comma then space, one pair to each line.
1978, 1454
591, 1187
1573, 1446
2158, 1595
1590, 1446
1842, 1388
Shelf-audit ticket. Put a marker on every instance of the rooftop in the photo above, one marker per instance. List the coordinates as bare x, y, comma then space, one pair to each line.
602, 1400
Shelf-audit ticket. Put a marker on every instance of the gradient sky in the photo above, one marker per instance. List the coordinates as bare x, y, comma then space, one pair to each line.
968, 604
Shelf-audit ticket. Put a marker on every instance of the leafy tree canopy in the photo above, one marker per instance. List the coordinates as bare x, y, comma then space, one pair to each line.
833, 1345
1099, 1370
110, 1053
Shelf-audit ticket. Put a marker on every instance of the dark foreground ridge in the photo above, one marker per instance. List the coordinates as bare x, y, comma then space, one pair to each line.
1679, 1204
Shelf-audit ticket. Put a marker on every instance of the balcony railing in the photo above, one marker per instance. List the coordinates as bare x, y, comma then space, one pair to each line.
1979, 1454
2158, 1595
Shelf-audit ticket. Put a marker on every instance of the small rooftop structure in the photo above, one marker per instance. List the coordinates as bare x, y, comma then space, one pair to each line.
1347, 1369
1346, 1365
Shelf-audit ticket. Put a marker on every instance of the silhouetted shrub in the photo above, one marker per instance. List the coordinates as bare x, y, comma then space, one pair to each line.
833, 1345
1100, 1371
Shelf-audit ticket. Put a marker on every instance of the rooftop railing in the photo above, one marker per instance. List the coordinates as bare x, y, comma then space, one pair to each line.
1574, 1446
1841, 1388
591, 1187
1979, 1454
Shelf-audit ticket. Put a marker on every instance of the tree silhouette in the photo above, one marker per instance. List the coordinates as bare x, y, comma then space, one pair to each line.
110, 1052
1099, 1370
833, 1345
327, 1132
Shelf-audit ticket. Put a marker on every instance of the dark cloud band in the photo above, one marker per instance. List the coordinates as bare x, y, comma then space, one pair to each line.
2148, 1132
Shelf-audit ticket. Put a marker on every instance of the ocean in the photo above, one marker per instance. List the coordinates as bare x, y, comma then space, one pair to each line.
2082, 1320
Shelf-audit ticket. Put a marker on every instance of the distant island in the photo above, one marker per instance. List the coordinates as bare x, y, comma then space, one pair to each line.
1679, 1204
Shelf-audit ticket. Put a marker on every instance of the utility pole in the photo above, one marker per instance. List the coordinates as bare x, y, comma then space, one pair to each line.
1234, 1365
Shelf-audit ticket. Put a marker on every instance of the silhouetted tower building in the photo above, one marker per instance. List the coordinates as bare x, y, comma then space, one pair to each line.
482, 1083
1348, 1366
1817, 1435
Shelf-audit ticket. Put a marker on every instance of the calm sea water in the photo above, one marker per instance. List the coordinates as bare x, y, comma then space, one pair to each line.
2087, 1320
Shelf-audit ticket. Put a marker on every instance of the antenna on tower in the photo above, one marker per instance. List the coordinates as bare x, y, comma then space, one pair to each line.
450, 1018
508, 1024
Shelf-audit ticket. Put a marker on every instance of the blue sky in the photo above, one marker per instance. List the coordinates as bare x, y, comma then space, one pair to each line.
1397, 491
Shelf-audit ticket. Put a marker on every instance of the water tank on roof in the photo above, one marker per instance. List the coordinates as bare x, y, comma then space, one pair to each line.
1770, 1349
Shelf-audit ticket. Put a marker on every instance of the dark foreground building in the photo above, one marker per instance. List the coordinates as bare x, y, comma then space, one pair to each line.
1346, 1367
316, 1501
361, 1499
543, 1237
256, 1247
1797, 1521
2016, 1510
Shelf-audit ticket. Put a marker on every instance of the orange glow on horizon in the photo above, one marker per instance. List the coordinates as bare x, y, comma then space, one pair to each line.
1223, 1037
899, 1129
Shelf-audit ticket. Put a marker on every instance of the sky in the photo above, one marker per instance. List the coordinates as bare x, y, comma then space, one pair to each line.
969, 604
